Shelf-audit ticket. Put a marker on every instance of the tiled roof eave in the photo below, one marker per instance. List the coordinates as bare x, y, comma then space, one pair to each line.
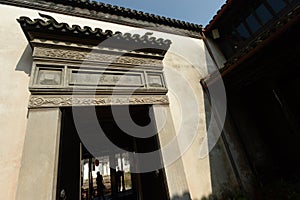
256, 45
50, 29
219, 14
130, 13
265, 36
77, 9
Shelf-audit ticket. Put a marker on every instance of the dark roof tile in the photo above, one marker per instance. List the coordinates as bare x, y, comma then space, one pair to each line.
51, 28
130, 13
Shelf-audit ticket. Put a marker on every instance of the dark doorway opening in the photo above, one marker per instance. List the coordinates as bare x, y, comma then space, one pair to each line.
79, 163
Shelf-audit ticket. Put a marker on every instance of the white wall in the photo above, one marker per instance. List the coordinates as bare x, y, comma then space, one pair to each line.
185, 65
14, 96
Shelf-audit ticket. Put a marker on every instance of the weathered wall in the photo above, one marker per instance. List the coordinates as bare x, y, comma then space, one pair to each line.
185, 64
184, 67
217, 54
36, 180
229, 148
15, 66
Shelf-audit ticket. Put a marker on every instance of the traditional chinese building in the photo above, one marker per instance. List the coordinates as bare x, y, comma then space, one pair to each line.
140, 98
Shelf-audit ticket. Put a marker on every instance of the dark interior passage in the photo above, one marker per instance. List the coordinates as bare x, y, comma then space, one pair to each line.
79, 163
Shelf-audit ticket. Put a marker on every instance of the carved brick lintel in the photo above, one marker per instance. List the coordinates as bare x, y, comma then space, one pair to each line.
69, 100
91, 56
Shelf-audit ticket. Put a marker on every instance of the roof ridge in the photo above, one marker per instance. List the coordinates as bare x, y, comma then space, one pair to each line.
130, 13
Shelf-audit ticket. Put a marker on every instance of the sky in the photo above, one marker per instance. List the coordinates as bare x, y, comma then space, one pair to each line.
194, 11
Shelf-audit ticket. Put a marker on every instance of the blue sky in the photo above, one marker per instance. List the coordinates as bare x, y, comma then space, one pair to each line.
195, 11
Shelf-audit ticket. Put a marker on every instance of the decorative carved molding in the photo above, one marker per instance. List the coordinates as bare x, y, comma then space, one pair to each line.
69, 100
93, 56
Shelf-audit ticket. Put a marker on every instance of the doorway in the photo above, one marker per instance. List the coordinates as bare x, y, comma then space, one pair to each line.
80, 162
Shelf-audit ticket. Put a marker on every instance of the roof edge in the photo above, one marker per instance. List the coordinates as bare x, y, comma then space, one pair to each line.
130, 13
51, 29
218, 15
112, 14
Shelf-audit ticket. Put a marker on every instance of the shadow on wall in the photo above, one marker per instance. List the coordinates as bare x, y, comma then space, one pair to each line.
225, 183
25, 62
185, 196
226, 197
213, 57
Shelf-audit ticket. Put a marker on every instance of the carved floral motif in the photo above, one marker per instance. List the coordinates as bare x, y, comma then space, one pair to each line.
92, 56
66, 101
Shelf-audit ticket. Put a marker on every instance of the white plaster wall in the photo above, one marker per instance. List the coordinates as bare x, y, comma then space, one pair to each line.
186, 60
37, 179
13, 101
185, 64
171, 154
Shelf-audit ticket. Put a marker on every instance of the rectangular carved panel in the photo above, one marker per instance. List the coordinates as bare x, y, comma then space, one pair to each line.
56, 78
48, 76
98, 78
155, 80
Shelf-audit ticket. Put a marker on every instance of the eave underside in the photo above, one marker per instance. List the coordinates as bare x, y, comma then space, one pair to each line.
275, 62
263, 57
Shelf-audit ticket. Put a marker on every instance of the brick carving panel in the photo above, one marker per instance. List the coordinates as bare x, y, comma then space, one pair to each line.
68, 100
132, 79
88, 55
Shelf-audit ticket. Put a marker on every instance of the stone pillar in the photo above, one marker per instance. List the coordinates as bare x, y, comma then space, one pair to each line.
38, 173
175, 174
